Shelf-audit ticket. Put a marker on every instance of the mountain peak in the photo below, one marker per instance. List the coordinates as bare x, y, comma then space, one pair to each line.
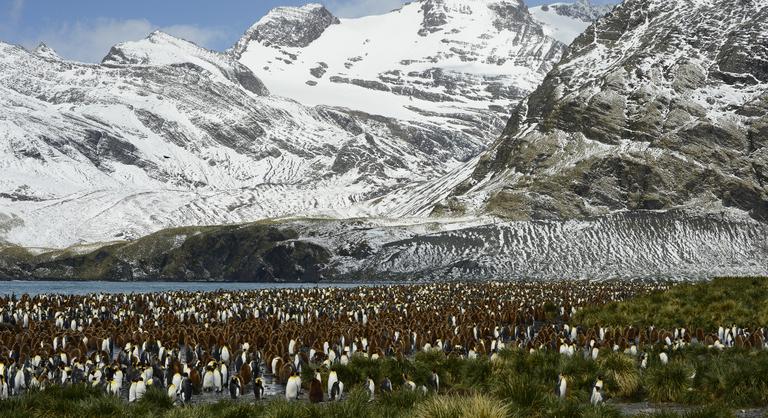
583, 10
289, 26
160, 48
44, 51
509, 14
160, 36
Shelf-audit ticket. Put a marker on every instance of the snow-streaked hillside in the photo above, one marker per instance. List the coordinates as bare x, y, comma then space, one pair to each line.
660, 105
648, 245
167, 134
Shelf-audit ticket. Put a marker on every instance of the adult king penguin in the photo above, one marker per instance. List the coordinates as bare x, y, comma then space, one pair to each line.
562, 386
597, 392
258, 388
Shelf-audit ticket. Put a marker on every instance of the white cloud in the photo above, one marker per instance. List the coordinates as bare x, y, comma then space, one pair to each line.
89, 41
17, 6
357, 8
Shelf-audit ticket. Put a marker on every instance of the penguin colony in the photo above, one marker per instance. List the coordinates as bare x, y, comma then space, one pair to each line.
225, 343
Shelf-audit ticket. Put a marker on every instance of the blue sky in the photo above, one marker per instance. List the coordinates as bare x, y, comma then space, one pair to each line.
85, 29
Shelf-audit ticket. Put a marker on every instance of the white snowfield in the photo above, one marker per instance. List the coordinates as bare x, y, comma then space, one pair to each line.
472, 47
164, 133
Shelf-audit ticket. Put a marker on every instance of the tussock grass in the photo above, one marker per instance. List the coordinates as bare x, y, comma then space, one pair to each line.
621, 374
455, 407
670, 382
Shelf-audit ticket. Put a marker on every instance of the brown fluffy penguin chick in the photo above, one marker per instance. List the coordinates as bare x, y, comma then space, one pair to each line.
315, 391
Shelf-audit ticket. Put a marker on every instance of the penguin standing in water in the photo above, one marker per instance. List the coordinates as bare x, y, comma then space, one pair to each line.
292, 387
597, 392
258, 388
235, 387
562, 386
186, 388
315, 391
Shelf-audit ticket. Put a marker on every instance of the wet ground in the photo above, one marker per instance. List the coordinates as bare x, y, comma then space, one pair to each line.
272, 389
632, 409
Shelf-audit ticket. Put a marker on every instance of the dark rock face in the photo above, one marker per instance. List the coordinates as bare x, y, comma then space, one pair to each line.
434, 17
657, 106
248, 80
291, 27
253, 253
513, 16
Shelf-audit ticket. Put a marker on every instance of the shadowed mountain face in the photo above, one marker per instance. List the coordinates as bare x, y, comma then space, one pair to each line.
660, 105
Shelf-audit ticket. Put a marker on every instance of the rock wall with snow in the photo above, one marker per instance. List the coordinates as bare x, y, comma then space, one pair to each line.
660, 105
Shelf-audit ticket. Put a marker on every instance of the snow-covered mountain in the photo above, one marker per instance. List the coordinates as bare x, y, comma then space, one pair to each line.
164, 133
462, 64
566, 21
643, 153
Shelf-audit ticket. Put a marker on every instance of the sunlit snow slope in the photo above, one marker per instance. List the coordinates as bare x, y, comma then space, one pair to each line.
164, 133
462, 63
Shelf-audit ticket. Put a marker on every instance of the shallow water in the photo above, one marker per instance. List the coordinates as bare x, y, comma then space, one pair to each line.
80, 288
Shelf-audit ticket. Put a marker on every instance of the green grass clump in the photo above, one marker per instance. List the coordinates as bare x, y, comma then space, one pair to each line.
621, 373
669, 383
